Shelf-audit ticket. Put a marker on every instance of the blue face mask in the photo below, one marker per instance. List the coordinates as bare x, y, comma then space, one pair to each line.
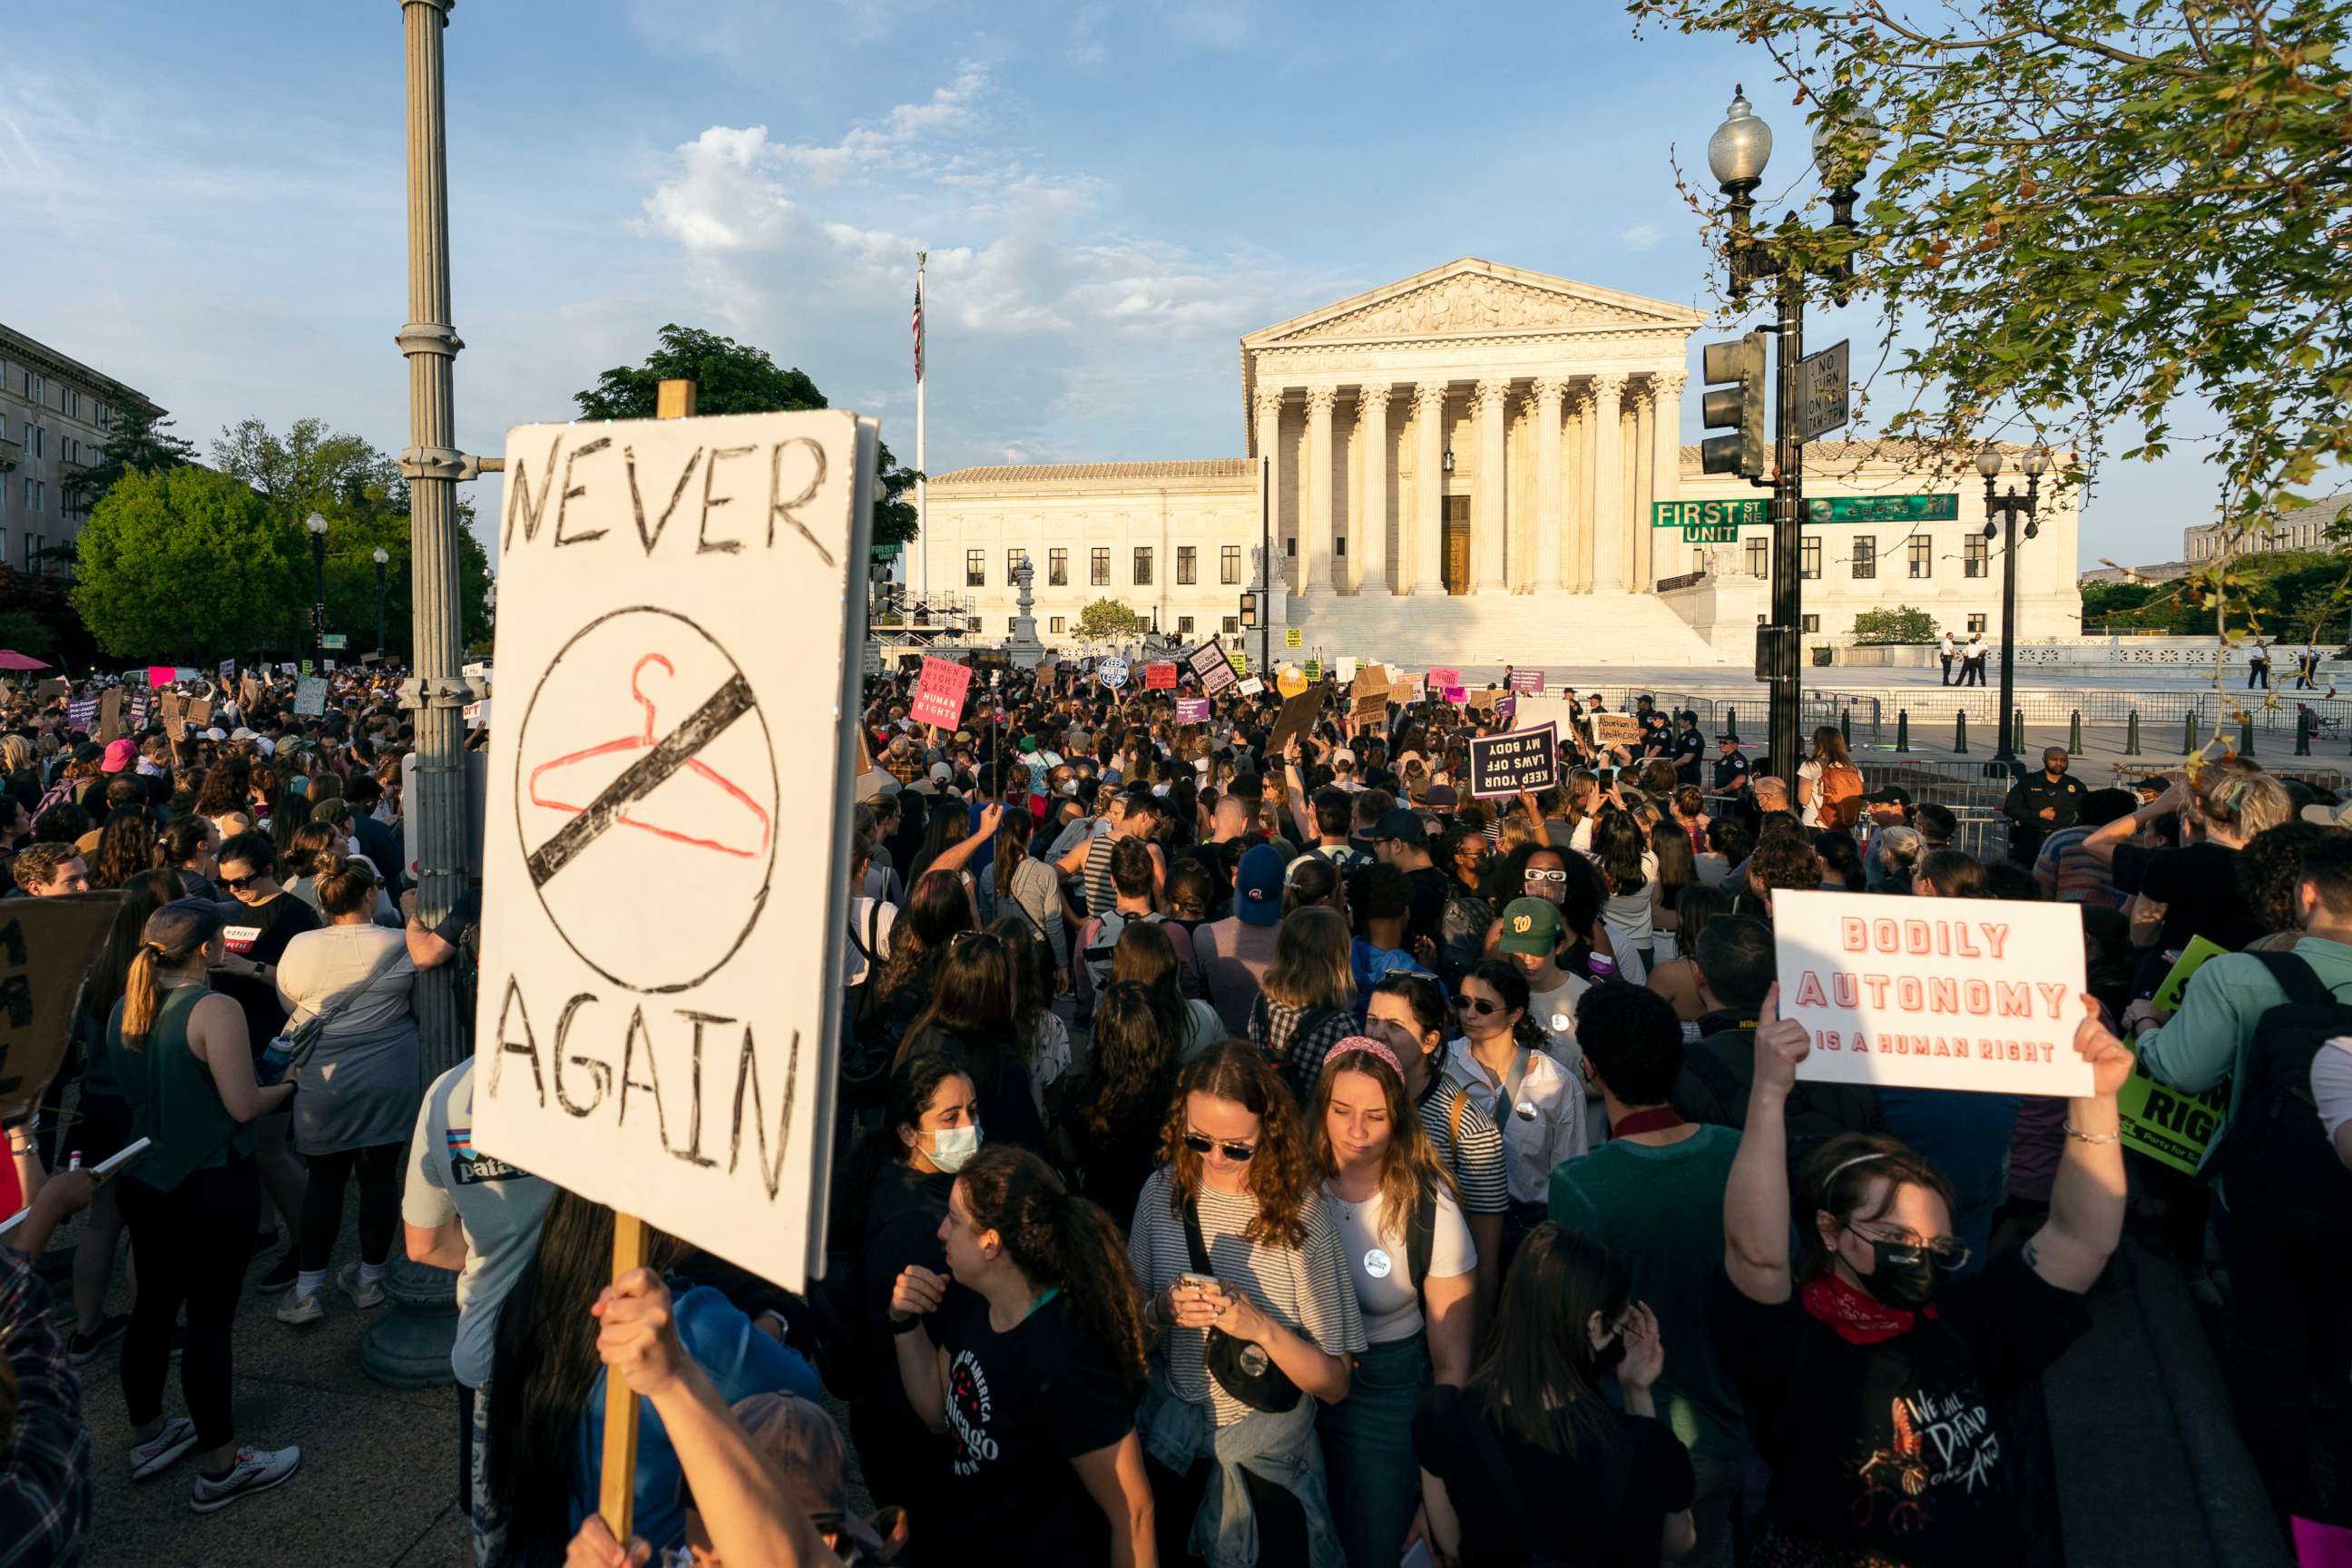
954, 1147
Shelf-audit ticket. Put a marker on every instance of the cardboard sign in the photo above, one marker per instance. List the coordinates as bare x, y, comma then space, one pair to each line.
660, 1009
1935, 992
2167, 1124
1526, 680
1369, 698
199, 711
46, 946
1616, 729
1297, 716
309, 696
1294, 637
50, 690
1211, 668
1160, 677
1193, 709
248, 692
941, 693
1521, 760
174, 709
1250, 685
1345, 668
110, 715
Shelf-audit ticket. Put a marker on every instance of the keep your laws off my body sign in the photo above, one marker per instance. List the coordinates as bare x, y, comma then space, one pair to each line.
1934, 993
660, 981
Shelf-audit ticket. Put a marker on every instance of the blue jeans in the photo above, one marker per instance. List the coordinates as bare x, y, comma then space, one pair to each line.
1373, 1478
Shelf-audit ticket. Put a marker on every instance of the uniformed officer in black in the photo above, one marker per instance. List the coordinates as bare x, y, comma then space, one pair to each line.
1730, 767
1690, 748
1657, 734
2041, 804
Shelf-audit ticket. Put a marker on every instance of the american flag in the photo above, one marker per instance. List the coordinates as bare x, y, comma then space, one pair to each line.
919, 330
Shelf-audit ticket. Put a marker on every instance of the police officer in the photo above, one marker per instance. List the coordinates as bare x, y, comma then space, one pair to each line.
1657, 735
2041, 804
1690, 748
1730, 767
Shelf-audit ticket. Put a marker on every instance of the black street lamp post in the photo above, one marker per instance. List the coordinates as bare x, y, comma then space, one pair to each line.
381, 557
318, 527
2008, 508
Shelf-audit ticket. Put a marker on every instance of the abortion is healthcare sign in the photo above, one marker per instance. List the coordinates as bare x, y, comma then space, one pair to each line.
1935, 992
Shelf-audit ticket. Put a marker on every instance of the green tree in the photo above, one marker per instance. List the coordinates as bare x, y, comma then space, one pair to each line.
23, 632
186, 565
1902, 623
139, 443
2089, 209
736, 378
365, 498
1107, 620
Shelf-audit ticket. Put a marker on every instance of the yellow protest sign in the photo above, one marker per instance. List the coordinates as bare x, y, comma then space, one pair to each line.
1291, 681
1292, 637
2167, 1124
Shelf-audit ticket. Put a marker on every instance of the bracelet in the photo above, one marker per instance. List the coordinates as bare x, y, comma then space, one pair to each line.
2080, 1136
904, 1325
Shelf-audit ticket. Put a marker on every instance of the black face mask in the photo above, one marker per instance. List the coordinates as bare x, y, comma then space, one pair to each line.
1908, 1285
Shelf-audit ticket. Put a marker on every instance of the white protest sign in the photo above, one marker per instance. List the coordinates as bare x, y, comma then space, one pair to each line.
1934, 993
679, 637
311, 696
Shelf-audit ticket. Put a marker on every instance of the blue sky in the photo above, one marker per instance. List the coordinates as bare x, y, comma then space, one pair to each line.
207, 201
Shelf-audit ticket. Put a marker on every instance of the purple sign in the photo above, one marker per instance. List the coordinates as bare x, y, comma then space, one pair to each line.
1193, 710
1526, 681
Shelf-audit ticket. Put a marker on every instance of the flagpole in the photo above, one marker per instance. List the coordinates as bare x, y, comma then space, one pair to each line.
922, 517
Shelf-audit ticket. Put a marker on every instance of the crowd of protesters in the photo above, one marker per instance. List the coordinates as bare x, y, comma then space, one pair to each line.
1255, 1149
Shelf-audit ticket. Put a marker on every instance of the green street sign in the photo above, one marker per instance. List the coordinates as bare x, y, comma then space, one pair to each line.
1883, 509
334, 642
1710, 522
1719, 522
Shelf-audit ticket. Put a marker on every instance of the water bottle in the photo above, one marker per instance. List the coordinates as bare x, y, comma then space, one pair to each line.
276, 1056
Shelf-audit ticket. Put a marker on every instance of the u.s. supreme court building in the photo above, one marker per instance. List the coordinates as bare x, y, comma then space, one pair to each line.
1482, 465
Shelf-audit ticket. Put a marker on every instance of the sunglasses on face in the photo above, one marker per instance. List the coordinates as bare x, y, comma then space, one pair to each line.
1479, 1004
1200, 1143
1534, 875
238, 884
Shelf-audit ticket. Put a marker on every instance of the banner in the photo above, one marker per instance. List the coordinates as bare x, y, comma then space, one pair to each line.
941, 693
1522, 760
1193, 709
1160, 677
1934, 993
1526, 680
2167, 1124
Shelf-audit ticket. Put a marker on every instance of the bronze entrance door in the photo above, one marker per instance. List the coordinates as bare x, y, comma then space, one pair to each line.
1456, 568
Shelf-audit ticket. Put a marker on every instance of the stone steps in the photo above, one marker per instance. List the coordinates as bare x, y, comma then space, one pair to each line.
1539, 629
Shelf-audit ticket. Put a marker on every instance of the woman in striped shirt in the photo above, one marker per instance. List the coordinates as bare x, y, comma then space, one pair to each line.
1257, 1319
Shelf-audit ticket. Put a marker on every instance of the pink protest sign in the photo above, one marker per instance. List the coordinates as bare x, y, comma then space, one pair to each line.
1438, 679
939, 692
1193, 710
1160, 677
159, 676
1452, 693
1526, 681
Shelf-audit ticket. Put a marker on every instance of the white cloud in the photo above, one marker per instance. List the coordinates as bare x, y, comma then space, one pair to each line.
1640, 236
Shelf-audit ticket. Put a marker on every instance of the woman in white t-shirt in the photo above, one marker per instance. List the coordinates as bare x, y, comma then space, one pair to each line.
1413, 1266
1626, 861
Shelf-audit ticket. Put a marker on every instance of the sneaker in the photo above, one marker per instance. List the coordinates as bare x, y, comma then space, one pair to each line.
281, 1274
82, 1348
157, 1453
256, 1470
363, 1295
298, 1309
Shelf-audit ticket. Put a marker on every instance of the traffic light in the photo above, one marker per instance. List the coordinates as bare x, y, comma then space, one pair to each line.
1739, 407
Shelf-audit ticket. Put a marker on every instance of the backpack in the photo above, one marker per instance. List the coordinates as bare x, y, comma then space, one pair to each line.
2275, 1156
1841, 795
1097, 954
1462, 933
865, 1035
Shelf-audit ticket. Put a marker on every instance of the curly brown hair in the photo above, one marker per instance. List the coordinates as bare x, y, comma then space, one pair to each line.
1060, 1240
1280, 1177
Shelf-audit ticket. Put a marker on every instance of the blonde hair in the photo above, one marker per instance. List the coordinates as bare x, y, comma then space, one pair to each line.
2241, 800
15, 753
1410, 1166
1310, 966
142, 998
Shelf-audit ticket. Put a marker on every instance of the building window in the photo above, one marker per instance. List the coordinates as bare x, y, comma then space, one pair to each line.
1057, 568
1187, 570
1098, 566
1760, 557
1865, 557
1229, 564
1809, 560
1184, 625
1143, 565
1975, 555
1014, 561
1921, 556
1812, 623
40, 441
1976, 623
1055, 625
975, 568
1233, 624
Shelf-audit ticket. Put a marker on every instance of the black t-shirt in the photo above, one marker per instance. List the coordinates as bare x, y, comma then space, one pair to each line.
1898, 1448
2197, 885
1690, 752
1021, 1405
1607, 1507
1728, 772
261, 935
1429, 888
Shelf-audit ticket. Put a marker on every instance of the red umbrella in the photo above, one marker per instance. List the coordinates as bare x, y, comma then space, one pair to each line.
11, 659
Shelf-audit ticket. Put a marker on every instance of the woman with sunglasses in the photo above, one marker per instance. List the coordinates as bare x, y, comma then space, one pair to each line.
1251, 1297
1875, 1385
1502, 1059
1414, 1267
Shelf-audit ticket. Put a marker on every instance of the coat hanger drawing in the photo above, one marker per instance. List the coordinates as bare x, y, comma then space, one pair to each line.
645, 740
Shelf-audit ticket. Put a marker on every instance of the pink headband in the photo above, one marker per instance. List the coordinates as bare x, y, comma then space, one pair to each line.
1367, 1044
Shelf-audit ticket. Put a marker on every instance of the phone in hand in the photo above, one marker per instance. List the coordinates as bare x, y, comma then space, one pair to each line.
1193, 1281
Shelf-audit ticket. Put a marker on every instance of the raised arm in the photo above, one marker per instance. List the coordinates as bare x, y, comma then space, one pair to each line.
2104, 840
2086, 1202
1756, 1203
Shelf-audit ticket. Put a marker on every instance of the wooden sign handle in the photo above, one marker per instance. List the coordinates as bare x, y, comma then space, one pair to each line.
617, 1486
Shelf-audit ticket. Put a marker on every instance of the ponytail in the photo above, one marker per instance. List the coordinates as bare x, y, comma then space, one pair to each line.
1060, 1240
140, 996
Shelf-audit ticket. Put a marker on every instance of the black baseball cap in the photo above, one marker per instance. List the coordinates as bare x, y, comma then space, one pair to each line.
1891, 794
1403, 826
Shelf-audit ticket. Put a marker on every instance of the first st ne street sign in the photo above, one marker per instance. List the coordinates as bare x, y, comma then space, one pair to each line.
1719, 522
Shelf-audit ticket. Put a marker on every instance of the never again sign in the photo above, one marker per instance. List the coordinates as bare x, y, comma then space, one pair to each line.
659, 985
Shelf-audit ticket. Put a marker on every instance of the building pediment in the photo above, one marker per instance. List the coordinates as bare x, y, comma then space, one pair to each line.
1471, 298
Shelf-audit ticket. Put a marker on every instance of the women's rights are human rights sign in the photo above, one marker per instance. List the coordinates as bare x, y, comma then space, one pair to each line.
1934, 993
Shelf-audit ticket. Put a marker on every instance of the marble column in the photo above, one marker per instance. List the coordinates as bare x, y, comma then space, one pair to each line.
1644, 575
1550, 390
1429, 488
1608, 484
1666, 450
1267, 405
1368, 525
1314, 574
1578, 566
1486, 530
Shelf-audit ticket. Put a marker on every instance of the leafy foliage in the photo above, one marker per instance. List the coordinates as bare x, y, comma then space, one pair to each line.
736, 378
1107, 620
1900, 624
139, 443
25, 633
2291, 593
188, 565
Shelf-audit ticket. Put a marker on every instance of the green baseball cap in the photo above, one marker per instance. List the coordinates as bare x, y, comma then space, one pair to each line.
1530, 926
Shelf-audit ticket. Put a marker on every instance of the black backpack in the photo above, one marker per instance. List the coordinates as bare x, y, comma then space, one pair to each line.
2275, 1157
865, 1036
